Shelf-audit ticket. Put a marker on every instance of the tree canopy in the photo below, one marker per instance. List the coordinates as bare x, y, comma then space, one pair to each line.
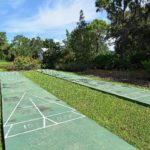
130, 24
87, 39
86, 45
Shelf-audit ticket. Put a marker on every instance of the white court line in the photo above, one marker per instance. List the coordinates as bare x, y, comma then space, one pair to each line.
51, 120
6, 135
43, 127
14, 109
56, 103
44, 121
39, 118
37, 108
23, 122
33, 106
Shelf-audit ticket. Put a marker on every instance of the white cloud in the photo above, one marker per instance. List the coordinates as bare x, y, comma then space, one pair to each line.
52, 15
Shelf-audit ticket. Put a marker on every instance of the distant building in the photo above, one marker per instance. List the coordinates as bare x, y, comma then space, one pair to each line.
41, 52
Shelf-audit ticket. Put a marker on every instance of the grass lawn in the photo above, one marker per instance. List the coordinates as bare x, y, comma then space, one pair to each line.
126, 119
3, 65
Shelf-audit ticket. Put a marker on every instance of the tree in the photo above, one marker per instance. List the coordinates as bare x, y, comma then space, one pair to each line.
87, 39
53, 54
79, 40
3, 38
4, 46
99, 27
82, 22
36, 44
21, 46
130, 24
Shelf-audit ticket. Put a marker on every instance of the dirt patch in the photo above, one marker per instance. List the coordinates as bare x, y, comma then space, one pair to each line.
15, 98
16, 85
48, 98
12, 121
44, 108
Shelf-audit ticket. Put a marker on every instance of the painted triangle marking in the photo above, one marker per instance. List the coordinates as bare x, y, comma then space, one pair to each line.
14, 109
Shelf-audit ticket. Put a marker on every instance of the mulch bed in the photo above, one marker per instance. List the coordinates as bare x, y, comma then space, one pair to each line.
138, 77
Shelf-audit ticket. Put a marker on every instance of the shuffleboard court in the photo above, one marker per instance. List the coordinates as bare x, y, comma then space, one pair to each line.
34, 119
138, 95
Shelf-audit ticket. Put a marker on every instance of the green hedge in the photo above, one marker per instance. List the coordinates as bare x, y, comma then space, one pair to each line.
112, 61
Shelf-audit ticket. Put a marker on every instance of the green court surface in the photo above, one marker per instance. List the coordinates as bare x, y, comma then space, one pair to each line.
138, 95
34, 119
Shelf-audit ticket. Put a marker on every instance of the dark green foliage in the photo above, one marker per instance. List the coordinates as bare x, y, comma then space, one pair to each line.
99, 29
137, 59
87, 40
36, 44
81, 46
23, 46
111, 61
4, 47
3, 38
52, 55
146, 65
106, 61
81, 41
82, 22
84, 44
77, 66
130, 24
20, 46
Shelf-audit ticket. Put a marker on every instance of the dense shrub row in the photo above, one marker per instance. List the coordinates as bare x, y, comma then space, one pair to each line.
113, 61
146, 65
109, 61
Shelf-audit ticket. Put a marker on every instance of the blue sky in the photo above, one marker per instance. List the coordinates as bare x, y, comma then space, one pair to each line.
44, 18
